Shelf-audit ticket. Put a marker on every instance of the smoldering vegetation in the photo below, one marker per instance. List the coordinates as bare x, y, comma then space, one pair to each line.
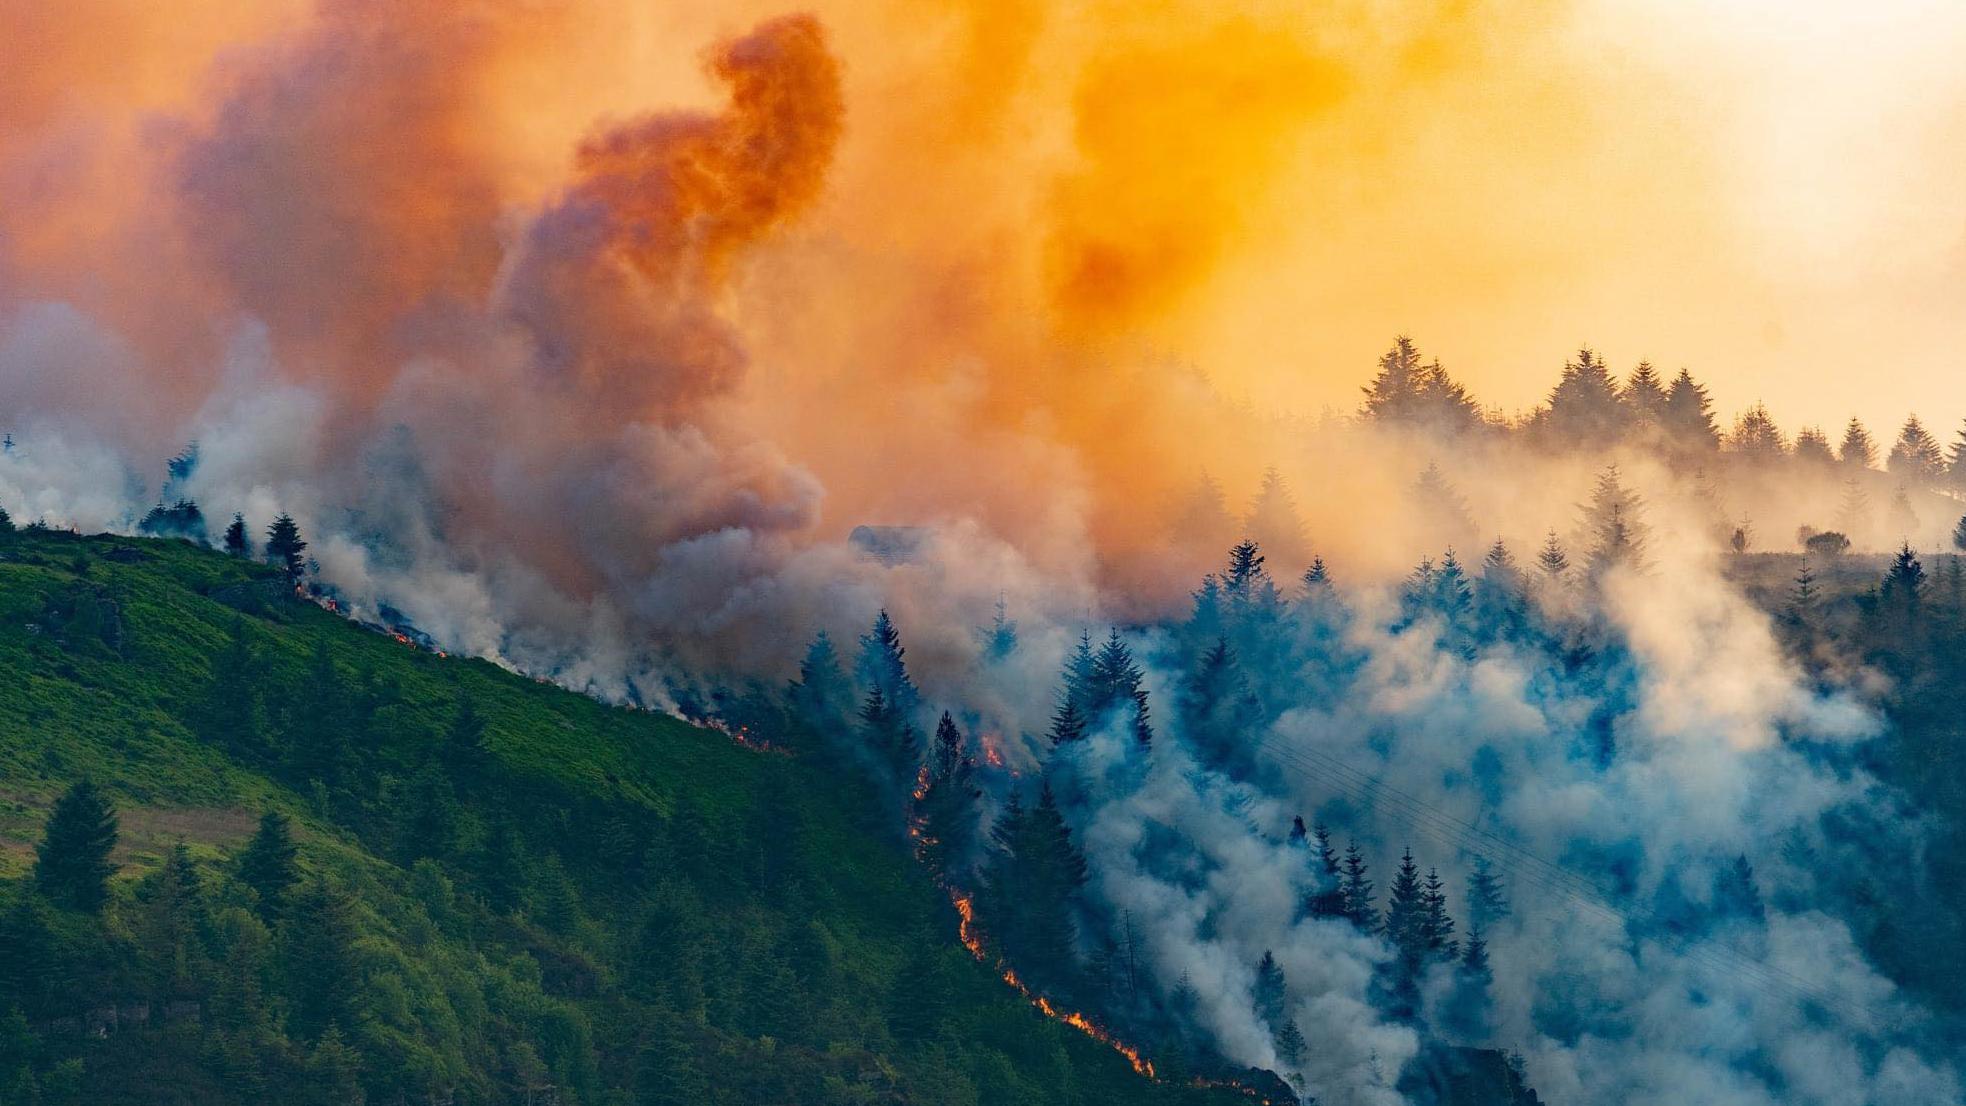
1659, 706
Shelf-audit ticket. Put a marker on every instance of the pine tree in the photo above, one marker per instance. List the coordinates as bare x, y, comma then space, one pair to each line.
1959, 534
285, 548
466, 754
945, 811
999, 639
1615, 525
1956, 460
1853, 513
334, 1071
1443, 507
1916, 456
1328, 901
1215, 705
1451, 592
1857, 450
1552, 560
1358, 890
1202, 520
1488, 901
1689, 415
237, 541
1273, 522
1735, 894
1436, 926
1405, 905
1246, 581
267, 865
1467, 1011
1271, 993
890, 738
1290, 1044
1407, 393
1031, 886
1644, 396
170, 927
1078, 675
1583, 408
1317, 578
883, 667
1067, 723
6, 523
821, 696
1812, 447
1904, 584
1756, 436
317, 956
1116, 687
1803, 595
230, 713
72, 866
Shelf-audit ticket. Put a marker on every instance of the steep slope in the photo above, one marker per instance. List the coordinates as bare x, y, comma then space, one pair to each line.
507, 892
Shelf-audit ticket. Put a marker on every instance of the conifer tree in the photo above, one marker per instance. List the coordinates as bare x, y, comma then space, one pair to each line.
1853, 512
1857, 450
1436, 926
1689, 415
1215, 704
1202, 520
6, 523
1316, 578
284, 547
1613, 521
1756, 436
71, 865
1031, 886
1116, 687
1406, 393
230, 713
1358, 891
890, 738
334, 1071
170, 926
1552, 560
821, 696
1956, 460
1916, 456
466, 754
1290, 1044
1645, 396
945, 812
1067, 722
1468, 1006
317, 955
1271, 992
1959, 534
1904, 583
1488, 901
1803, 593
1273, 522
1735, 895
1078, 675
237, 541
1451, 592
999, 639
1583, 408
1328, 901
1443, 507
1812, 447
883, 667
267, 865
1246, 581
1405, 905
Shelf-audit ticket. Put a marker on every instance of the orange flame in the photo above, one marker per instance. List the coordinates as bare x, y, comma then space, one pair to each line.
966, 933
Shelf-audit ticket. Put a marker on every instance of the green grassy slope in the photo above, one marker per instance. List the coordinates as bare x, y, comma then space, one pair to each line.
607, 902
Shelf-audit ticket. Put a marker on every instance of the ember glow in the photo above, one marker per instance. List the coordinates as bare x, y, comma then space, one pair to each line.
973, 941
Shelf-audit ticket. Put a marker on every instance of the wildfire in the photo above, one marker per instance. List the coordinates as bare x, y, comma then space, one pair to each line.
993, 755
966, 933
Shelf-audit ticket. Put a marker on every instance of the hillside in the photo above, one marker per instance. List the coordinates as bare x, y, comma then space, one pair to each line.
506, 892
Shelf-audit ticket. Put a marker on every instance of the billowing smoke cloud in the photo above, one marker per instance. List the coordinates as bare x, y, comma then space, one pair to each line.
597, 387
